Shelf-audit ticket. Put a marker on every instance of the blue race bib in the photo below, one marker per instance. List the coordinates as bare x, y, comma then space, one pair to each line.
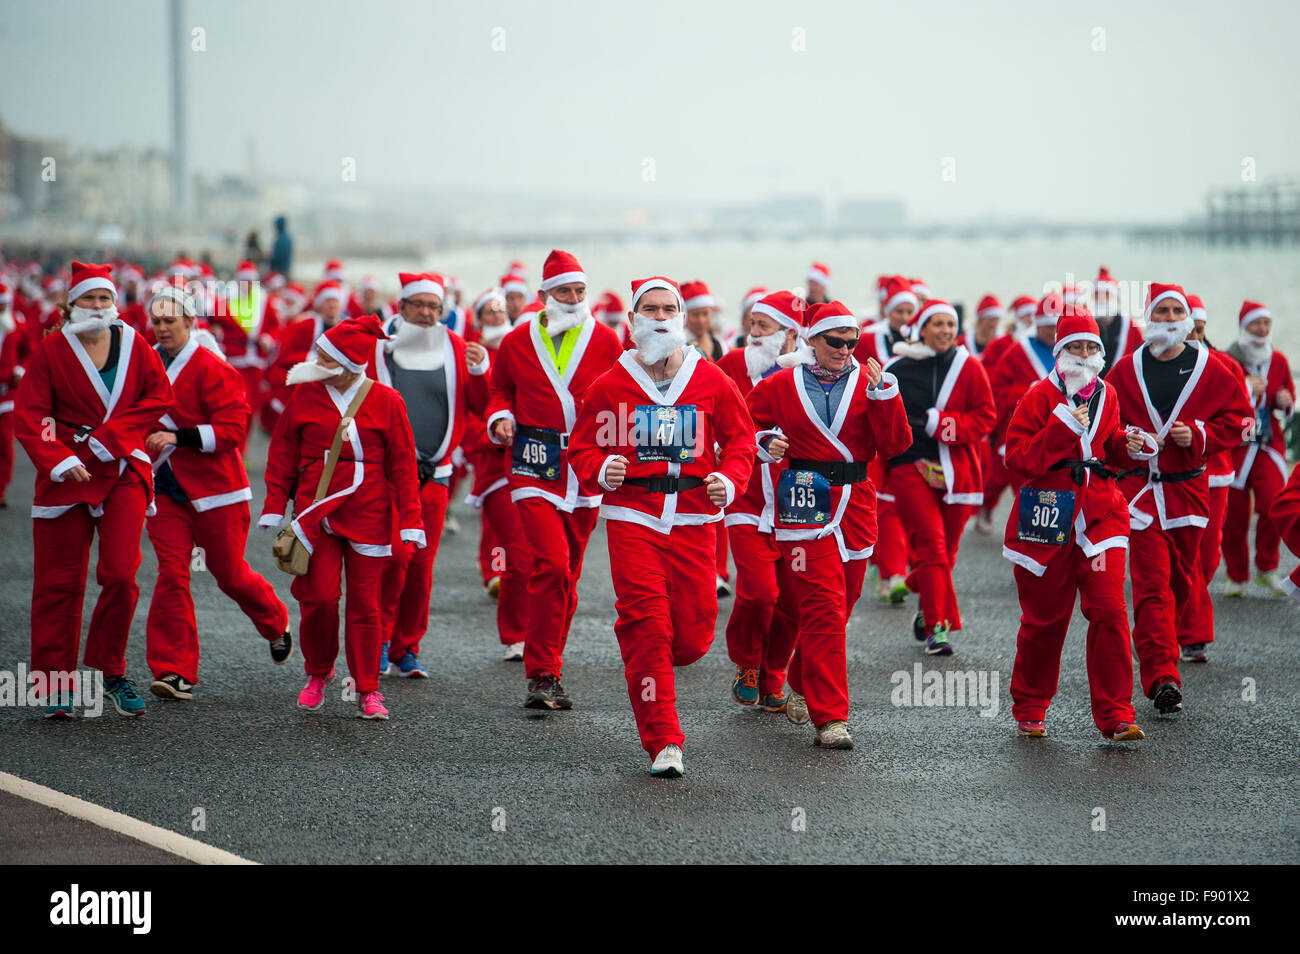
538, 458
803, 497
1046, 516
665, 433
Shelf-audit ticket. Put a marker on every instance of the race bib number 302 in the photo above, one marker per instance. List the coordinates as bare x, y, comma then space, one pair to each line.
1046, 516
803, 497
665, 432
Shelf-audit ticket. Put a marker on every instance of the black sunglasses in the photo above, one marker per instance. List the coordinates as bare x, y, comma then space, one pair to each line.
835, 344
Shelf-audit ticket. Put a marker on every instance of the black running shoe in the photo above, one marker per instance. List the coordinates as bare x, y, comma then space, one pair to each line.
1168, 698
171, 686
918, 626
282, 647
562, 700
541, 692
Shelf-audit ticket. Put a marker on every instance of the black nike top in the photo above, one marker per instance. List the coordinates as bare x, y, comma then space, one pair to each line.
1166, 379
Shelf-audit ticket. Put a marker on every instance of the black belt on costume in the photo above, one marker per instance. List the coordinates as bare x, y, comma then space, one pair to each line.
665, 485
1077, 468
838, 472
1177, 477
543, 434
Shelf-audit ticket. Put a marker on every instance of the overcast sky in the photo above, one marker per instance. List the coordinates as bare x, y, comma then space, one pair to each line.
1036, 121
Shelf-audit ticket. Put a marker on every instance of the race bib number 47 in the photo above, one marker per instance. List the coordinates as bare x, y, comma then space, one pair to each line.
665, 432
1046, 516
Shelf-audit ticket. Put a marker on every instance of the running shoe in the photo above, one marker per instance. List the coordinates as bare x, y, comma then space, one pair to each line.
1124, 732
61, 707
668, 763
774, 702
371, 705
1234, 588
796, 708
744, 688
126, 700
897, 589
918, 626
1031, 729
1167, 698
1271, 582
282, 647
834, 735
313, 694
514, 652
1195, 653
541, 692
411, 667
723, 586
385, 667
937, 643
172, 686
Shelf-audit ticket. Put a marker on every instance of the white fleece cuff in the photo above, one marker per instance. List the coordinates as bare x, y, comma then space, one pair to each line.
63, 466
726, 482
414, 536
1147, 440
269, 521
888, 388
600, 478
482, 366
931, 421
208, 436
491, 422
1062, 413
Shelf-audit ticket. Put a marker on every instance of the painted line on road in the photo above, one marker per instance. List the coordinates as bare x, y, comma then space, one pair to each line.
142, 831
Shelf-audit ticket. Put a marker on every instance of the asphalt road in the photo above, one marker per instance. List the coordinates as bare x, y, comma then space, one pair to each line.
462, 773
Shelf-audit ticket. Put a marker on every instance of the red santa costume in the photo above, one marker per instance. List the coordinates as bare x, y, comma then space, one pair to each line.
936, 481
202, 501
1169, 498
1067, 534
826, 506
660, 520
1259, 466
538, 384
428, 368
15, 347
996, 476
69, 413
503, 548
762, 628
349, 532
877, 341
296, 341
1285, 515
1120, 334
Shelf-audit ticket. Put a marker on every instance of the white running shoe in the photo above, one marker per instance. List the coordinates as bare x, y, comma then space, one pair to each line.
1233, 588
796, 708
514, 652
668, 763
834, 735
1271, 582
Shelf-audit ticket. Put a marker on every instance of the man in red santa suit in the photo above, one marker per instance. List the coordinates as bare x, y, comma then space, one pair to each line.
762, 628
665, 435
92, 391
201, 497
936, 481
1120, 334
517, 293
1219, 474
1068, 531
349, 531
543, 368
889, 561
835, 416
441, 381
1259, 464
504, 557
988, 316
298, 339
818, 278
1285, 515
1192, 408
15, 347
996, 476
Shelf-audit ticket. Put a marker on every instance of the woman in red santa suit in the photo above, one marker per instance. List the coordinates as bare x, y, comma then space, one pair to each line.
15, 347
836, 416
1260, 463
889, 560
1068, 531
937, 480
762, 628
666, 437
92, 391
996, 476
503, 549
349, 531
201, 496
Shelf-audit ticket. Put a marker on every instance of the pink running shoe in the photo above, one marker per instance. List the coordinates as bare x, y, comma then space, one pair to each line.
313, 694
371, 705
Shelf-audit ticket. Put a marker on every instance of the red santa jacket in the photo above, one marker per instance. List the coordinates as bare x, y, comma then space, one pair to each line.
15, 348
1213, 403
994, 351
207, 394
1285, 514
376, 472
62, 392
873, 342
294, 344
969, 343
722, 443
1043, 432
756, 507
867, 422
1219, 470
467, 392
1018, 368
962, 417
527, 389
1273, 453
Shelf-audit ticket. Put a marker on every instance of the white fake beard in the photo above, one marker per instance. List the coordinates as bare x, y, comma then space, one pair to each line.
561, 317
761, 352
491, 334
90, 320
309, 370
1255, 349
417, 348
1163, 335
1077, 372
652, 344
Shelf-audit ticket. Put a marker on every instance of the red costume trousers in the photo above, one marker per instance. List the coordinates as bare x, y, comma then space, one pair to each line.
557, 542
1046, 605
997, 479
890, 554
667, 604
319, 593
763, 627
1166, 569
408, 577
6, 451
60, 562
508, 557
723, 569
1200, 606
826, 588
172, 631
934, 531
1263, 484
